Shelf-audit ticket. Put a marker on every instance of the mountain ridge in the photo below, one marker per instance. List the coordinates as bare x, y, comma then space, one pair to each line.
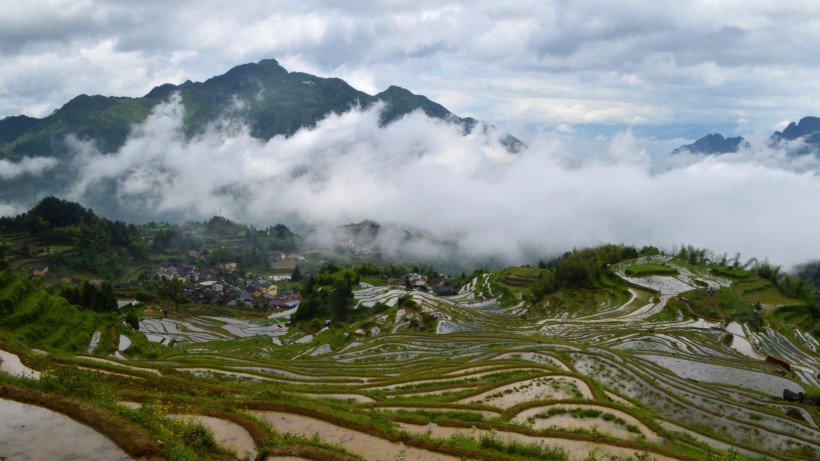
807, 128
264, 95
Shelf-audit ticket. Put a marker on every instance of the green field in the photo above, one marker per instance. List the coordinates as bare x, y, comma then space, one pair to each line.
491, 373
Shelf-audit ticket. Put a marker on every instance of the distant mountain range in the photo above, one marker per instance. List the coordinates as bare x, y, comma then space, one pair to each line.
263, 95
808, 128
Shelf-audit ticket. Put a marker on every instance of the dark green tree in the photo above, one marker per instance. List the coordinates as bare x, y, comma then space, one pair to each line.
132, 321
341, 298
296, 275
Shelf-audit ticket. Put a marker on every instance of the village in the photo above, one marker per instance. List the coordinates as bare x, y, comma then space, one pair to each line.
222, 284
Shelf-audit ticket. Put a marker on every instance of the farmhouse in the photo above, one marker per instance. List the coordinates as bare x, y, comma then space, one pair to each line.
39, 270
168, 273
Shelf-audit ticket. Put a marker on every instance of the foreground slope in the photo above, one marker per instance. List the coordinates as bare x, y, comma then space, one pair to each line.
639, 367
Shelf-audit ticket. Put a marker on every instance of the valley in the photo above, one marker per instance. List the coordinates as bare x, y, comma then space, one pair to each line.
632, 367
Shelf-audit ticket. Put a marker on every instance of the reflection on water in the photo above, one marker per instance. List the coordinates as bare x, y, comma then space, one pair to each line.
227, 433
12, 365
31, 433
701, 371
366, 445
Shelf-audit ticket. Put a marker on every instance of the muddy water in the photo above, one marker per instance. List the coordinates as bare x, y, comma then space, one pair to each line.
228, 434
741, 344
124, 343
701, 371
12, 365
28, 432
533, 357
569, 422
577, 450
368, 446
545, 388
716, 444
355, 397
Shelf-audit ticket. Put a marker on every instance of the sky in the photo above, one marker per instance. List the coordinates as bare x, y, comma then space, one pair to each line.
600, 91
528, 66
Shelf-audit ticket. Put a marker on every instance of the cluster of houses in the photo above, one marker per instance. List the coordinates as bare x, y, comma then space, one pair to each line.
220, 285
414, 281
351, 246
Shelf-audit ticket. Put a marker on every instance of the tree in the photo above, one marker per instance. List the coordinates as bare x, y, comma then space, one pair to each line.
810, 274
296, 275
341, 298
310, 306
132, 321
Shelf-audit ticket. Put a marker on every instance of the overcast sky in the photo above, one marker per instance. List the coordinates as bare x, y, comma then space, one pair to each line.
601, 91
528, 66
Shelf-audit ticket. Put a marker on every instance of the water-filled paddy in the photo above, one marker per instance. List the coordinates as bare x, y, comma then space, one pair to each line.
32, 433
12, 365
228, 434
701, 371
366, 445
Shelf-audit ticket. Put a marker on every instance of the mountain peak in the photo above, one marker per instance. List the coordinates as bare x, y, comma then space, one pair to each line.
807, 126
397, 90
807, 130
713, 143
399, 102
264, 96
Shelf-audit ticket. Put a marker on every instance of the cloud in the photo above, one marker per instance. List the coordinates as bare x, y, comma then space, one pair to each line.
35, 166
543, 63
422, 174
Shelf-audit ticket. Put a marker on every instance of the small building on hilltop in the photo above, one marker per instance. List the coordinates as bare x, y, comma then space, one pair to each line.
39, 270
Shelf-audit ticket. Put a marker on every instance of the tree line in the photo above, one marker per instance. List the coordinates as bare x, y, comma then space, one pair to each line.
585, 268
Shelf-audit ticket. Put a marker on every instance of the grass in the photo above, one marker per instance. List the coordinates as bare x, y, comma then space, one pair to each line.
452, 362
41, 319
585, 301
802, 317
729, 271
491, 442
517, 279
771, 296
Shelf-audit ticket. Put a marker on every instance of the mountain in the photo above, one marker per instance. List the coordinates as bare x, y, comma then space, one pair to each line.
807, 130
712, 144
12, 127
263, 95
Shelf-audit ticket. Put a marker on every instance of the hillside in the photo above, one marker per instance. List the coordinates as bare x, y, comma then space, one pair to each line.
603, 353
263, 95
54, 155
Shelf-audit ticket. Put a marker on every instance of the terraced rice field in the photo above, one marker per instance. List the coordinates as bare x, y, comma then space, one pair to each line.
629, 381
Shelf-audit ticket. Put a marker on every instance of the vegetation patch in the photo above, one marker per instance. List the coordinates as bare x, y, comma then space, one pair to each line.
730, 271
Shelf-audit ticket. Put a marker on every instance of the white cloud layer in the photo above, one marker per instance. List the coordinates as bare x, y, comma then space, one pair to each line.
27, 165
523, 63
423, 174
